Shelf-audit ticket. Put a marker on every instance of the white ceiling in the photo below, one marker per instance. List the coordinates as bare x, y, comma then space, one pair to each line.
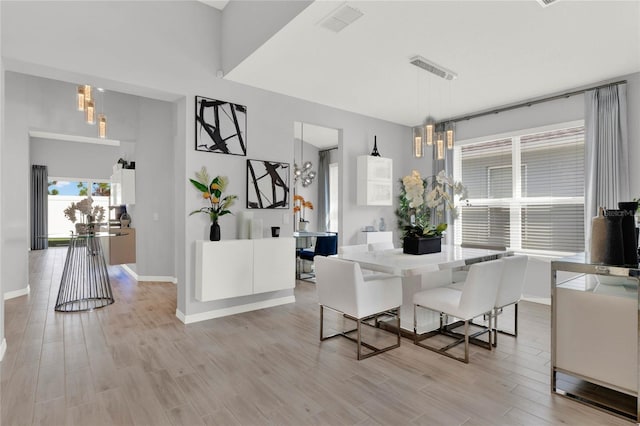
502, 51
218, 4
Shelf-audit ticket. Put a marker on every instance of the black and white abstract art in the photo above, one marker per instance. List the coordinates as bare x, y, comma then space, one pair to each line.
267, 185
221, 126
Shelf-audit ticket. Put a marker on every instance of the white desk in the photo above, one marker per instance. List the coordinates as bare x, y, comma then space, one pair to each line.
407, 265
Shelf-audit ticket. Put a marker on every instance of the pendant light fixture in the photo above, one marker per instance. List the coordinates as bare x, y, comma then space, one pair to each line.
429, 130
90, 112
450, 134
418, 151
440, 146
102, 119
80, 98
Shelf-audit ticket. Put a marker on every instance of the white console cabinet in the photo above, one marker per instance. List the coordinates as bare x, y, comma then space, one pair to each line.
375, 181
123, 187
234, 268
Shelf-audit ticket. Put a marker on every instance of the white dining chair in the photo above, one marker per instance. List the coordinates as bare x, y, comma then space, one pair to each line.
509, 292
383, 245
342, 288
477, 298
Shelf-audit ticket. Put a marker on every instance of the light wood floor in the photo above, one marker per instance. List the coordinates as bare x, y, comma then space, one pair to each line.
134, 363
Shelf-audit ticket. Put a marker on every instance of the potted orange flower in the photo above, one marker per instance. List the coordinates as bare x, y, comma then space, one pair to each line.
299, 206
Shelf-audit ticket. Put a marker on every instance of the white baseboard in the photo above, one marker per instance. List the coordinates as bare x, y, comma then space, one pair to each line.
3, 348
232, 310
137, 277
541, 300
17, 293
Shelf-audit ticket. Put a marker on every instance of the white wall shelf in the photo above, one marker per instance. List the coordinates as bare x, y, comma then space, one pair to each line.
375, 181
123, 187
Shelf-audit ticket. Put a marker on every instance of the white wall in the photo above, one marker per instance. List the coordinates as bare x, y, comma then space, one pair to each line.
246, 25
182, 51
145, 129
2, 142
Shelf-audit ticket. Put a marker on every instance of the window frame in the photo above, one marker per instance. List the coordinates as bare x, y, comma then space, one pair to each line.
517, 202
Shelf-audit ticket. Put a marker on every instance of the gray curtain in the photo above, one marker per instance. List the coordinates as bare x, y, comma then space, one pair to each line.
606, 152
323, 191
39, 197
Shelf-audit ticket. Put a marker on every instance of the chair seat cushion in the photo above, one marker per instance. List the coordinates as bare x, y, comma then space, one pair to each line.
306, 254
442, 299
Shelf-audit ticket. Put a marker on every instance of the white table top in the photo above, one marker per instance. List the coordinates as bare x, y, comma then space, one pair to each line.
396, 262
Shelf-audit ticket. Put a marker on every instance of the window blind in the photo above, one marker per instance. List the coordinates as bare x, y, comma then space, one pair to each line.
525, 192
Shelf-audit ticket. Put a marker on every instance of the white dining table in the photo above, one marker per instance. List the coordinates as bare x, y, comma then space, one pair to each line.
420, 272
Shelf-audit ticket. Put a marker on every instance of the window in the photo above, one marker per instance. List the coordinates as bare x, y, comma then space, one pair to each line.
64, 191
526, 191
333, 197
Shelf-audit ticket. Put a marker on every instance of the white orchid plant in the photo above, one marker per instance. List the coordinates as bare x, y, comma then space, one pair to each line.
422, 197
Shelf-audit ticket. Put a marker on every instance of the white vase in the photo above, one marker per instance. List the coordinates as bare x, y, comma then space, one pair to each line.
302, 226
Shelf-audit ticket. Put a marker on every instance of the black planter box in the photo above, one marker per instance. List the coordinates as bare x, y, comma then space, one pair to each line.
422, 245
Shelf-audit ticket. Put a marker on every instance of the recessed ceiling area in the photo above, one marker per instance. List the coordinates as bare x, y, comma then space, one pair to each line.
218, 4
502, 52
319, 136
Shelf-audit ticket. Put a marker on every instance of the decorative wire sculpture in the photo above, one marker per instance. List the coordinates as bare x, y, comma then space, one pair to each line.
304, 174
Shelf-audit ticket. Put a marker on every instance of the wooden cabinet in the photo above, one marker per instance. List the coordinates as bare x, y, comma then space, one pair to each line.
123, 187
375, 181
120, 249
234, 268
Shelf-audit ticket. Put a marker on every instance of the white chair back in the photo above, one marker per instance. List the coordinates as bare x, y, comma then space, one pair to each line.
358, 248
337, 281
385, 245
512, 281
481, 287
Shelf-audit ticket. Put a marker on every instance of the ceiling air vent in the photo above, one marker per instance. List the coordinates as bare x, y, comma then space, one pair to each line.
340, 18
545, 3
433, 68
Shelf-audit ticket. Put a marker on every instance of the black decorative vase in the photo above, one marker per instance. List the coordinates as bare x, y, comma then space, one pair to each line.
214, 232
420, 245
614, 249
629, 238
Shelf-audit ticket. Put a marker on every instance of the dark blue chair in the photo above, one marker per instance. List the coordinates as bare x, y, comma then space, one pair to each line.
325, 246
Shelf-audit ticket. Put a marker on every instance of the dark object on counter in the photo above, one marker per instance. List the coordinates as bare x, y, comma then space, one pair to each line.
125, 219
375, 152
275, 231
131, 165
614, 249
629, 238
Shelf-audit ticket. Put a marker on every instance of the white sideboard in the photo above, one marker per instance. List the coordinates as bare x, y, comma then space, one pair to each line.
375, 181
233, 268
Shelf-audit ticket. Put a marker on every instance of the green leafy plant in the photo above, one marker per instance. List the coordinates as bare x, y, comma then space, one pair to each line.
425, 232
212, 190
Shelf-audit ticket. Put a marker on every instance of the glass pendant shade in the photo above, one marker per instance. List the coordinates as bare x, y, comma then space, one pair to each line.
87, 93
440, 147
80, 98
450, 136
102, 126
90, 112
417, 147
307, 165
429, 133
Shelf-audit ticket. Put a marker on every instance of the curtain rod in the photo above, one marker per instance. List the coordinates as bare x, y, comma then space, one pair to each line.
529, 103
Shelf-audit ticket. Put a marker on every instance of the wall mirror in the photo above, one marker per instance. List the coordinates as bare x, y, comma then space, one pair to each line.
315, 177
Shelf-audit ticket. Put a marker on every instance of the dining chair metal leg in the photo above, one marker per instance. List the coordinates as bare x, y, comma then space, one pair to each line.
466, 341
359, 341
496, 330
321, 322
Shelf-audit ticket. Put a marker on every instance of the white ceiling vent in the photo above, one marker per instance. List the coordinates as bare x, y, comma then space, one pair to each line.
433, 68
545, 3
340, 18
